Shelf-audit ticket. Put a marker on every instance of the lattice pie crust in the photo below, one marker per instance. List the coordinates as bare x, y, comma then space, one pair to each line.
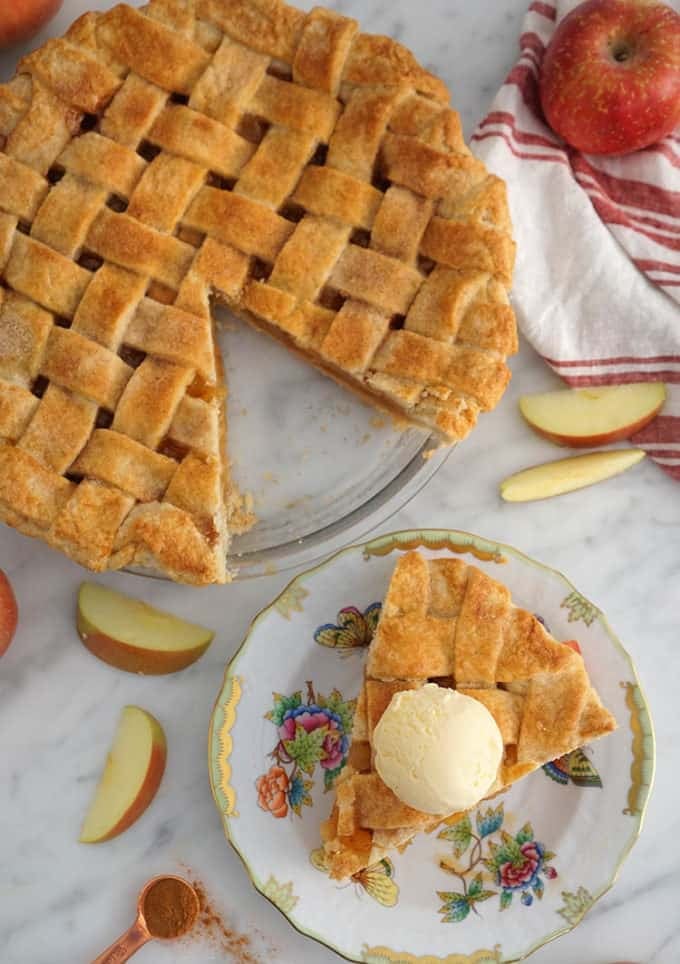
308, 176
446, 622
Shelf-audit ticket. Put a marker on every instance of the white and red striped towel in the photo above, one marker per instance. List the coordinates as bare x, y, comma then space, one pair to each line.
597, 284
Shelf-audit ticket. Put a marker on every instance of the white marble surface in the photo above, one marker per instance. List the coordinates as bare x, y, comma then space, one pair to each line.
620, 542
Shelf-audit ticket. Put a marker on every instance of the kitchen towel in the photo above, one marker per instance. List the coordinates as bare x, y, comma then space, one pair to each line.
597, 281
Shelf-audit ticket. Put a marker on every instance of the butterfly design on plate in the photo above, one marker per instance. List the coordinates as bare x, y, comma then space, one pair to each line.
354, 629
377, 880
574, 767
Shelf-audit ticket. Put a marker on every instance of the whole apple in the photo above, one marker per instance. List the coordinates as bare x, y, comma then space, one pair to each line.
21, 19
610, 78
9, 612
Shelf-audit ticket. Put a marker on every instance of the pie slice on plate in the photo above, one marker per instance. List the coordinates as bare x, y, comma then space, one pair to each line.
311, 177
449, 623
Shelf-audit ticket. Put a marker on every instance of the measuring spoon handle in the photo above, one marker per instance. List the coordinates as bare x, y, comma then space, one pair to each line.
126, 945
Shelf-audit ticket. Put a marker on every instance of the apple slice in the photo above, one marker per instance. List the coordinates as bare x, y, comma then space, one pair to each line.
133, 636
9, 613
133, 772
584, 417
566, 475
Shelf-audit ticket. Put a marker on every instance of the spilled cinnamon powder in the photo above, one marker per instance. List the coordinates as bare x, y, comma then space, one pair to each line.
211, 927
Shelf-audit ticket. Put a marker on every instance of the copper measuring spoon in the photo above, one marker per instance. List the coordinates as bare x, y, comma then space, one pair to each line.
139, 934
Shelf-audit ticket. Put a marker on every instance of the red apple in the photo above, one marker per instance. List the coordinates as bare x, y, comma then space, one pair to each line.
610, 79
8, 613
21, 19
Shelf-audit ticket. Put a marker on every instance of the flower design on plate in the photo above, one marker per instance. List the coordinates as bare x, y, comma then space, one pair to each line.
310, 731
280, 894
579, 608
576, 906
272, 788
290, 601
354, 628
328, 735
521, 870
495, 858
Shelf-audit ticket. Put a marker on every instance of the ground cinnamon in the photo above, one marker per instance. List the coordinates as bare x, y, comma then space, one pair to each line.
213, 929
170, 908
238, 946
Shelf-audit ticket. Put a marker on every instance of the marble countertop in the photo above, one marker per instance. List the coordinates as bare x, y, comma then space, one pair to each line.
619, 542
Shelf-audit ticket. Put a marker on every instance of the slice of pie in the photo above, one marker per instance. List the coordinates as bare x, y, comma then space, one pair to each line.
446, 622
313, 178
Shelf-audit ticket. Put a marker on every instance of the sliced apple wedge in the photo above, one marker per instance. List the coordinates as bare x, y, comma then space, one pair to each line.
133, 772
566, 475
133, 636
584, 417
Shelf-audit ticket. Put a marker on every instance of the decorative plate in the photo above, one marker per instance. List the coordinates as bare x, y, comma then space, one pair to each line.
512, 875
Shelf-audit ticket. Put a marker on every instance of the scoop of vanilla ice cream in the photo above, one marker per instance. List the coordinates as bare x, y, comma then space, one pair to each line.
436, 749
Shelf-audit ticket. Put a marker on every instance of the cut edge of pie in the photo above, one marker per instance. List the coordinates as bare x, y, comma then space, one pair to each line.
446, 622
311, 178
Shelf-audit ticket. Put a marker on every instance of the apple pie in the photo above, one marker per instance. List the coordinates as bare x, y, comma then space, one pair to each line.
449, 623
312, 178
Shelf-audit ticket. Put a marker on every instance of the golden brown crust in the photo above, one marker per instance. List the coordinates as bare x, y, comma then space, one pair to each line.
279, 161
448, 622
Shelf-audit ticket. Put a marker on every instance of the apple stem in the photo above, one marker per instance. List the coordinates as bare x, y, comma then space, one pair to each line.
621, 50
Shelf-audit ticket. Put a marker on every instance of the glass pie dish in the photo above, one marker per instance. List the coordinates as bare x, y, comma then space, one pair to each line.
321, 467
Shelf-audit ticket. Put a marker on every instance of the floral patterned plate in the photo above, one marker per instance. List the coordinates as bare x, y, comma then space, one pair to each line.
495, 886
